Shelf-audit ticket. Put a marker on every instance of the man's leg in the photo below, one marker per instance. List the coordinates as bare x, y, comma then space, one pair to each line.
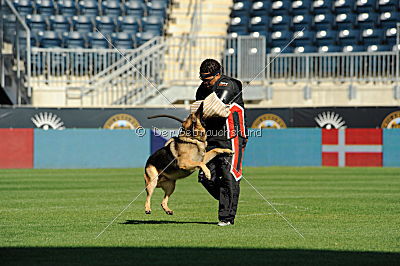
229, 194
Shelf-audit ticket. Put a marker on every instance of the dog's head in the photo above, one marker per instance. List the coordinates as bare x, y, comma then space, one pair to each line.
194, 126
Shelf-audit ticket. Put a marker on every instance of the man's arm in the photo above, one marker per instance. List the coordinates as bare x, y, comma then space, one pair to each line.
227, 91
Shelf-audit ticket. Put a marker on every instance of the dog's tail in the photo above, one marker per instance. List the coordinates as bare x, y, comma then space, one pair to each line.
168, 116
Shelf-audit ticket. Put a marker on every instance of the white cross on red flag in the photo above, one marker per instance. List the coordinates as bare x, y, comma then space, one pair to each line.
352, 147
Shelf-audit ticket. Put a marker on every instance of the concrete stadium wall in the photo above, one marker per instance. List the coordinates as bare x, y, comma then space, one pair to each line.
101, 148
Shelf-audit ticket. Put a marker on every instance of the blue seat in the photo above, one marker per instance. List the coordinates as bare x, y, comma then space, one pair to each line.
49, 39
37, 23
241, 8
88, 8
281, 23
237, 24
259, 23
128, 24
157, 9
366, 6
322, 6
349, 36
372, 36
60, 23
261, 8
111, 8
260, 33
388, 5
379, 48
302, 21
24, 7
353, 48
344, 6
280, 49
281, 7
324, 21
326, 37
346, 21
105, 24
367, 20
97, 40
304, 49
304, 38
391, 35
45, 7
134, 8
237, 33
301, 7
389, 19
329, 49
67, 8
154, 24
82, 24
74, 39
142, 37
280, 38
122, 40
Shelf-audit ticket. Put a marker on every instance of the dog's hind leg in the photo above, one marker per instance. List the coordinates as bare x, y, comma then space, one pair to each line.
151, 179
168, 187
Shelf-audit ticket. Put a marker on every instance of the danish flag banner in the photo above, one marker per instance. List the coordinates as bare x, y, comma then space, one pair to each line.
352, 147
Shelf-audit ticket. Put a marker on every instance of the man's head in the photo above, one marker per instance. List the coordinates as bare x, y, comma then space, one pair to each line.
210, 72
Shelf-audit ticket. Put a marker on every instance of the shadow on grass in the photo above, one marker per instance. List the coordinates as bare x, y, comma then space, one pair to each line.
163, 222
190, 256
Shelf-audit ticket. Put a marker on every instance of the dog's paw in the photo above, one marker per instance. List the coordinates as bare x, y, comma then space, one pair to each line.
147, 212
169, 212
207, 174
228, 151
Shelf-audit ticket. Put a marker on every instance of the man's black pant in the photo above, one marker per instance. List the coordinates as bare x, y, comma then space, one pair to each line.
223, 186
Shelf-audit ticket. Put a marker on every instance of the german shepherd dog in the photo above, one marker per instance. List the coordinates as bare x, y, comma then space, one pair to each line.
179, 158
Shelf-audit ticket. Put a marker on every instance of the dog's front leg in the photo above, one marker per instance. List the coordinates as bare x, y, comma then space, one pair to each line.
214, 152
188, 164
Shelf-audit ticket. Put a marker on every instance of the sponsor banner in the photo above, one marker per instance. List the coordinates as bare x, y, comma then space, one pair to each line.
352, 147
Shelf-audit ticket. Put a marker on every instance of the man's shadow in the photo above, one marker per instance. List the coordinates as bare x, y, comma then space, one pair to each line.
163, 222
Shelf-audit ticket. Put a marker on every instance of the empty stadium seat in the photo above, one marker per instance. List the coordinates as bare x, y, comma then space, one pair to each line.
367, 20
24, 7
60, 23
326, 37
154, 24
379, 48
261, 8
372, 36
281, 7
67, 8
346, 20
134, 8
36, 23
111, 8
302, 21
122, 40
280, 23
391, 35
259, 23
301, 7
45, 7
366, 5
128, 24
105, 24
97, 40
142, 37
329, 49
155, 8
73, 39
353, 48
388, 5
322, 6
344, 6
49, 39
88, 8
278, 49
239, 24
349, 36
389, 19
82, 23
304, 38
324, 21
305, 49
264, 33
241, 8
280, 38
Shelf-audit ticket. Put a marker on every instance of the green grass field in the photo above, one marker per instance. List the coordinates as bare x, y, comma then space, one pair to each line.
347, 216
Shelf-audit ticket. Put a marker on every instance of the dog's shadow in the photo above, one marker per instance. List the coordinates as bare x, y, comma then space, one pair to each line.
163, 222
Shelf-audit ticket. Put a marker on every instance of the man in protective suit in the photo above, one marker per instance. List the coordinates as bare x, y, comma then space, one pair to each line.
224, 117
